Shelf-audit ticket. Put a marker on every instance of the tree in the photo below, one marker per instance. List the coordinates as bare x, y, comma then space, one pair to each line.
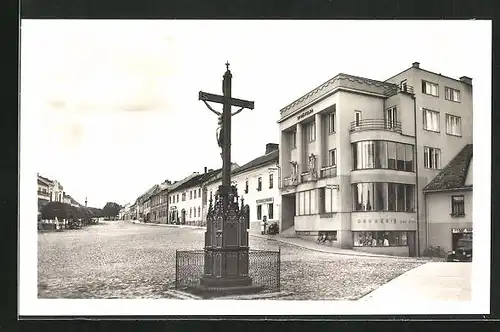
58, 210
111, 209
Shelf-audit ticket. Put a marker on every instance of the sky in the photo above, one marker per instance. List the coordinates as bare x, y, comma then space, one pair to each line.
112, 106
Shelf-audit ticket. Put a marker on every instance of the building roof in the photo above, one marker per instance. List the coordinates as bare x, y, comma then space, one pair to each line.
253, 164
340, 80
199, 179
44, 180
453, 175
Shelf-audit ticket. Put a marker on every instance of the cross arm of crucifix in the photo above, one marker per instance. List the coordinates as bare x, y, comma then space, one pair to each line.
219, 113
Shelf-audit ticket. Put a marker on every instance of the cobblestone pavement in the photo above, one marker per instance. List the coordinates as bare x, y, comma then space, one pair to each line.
124, 260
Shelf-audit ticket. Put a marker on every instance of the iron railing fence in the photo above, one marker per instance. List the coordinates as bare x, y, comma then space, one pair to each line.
264, 269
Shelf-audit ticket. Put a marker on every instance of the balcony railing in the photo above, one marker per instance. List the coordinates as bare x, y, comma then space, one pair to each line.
288, 182
43, 193
401, 88
328, 172
375, 124
307, 176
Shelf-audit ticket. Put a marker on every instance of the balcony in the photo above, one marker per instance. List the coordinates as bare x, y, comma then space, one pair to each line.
289, 182
375, 124
43, 193
328, 172
308, 176
401, 88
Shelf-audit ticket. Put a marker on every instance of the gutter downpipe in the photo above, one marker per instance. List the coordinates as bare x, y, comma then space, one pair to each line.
416, 174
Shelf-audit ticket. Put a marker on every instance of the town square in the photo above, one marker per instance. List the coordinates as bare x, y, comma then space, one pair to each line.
183, 168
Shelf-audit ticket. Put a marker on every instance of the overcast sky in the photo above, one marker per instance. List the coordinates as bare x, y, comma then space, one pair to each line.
114, 104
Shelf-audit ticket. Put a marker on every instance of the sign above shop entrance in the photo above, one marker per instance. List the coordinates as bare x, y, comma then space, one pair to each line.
461, 230
265, 200
304, 114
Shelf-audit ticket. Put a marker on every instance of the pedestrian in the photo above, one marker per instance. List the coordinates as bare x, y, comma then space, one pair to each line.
386, 242
263, 225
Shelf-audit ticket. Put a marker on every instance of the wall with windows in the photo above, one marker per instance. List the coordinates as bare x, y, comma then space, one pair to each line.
269, 199
190, 200
446, 211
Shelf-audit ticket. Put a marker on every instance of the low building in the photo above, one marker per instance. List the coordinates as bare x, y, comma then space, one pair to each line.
258, 184
174, 196
144, 205
44, 191
159, 203
132, 213
448, 203
186, 200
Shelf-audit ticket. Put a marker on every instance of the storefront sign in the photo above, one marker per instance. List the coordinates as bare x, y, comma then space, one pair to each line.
461, 230
387, 221
265, 200
306, 113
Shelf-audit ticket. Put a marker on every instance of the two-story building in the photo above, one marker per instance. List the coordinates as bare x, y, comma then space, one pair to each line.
257, 182
159, 203
355, 154
448, 203
189, 198
44, 191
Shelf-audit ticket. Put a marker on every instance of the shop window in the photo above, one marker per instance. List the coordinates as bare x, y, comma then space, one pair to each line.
380, 239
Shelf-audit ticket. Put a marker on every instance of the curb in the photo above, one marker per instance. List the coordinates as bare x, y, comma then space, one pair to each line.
278, 239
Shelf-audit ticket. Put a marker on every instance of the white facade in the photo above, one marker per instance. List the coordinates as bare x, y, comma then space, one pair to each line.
189, 206
263, 201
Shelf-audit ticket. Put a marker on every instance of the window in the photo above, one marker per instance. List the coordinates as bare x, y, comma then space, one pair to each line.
270, 211
453, 125
408, 158
400, 157
430, 88
431, 120
357, 118
271, 184
199, 192
190, 212
177, 198
452, 94
380, 196
292, 139
311, 131
199, 212
303, 203
432, 158
259, 184
457, 206
380, 154
194, 194
331, 121
183, 197
391, 118
332, 157
190, 194
380, 239
194, 212
259, 212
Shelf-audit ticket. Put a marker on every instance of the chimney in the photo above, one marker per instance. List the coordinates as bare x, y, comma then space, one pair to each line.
466, 80
416, 65
270, 147
205, 170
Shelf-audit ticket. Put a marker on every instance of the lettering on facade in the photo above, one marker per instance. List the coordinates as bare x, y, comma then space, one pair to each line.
304, 114
461, 230
265, 200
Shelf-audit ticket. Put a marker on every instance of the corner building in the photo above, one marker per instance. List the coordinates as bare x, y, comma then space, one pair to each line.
356, 153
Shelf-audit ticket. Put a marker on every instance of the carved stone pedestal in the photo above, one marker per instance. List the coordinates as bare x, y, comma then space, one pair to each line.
226, 244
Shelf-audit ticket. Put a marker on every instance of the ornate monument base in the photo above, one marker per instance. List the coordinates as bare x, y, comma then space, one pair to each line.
226, 260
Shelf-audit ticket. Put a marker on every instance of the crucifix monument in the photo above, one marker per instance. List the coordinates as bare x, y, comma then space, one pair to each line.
226, 238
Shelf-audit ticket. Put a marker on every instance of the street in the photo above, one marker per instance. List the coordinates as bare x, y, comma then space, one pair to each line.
118, 259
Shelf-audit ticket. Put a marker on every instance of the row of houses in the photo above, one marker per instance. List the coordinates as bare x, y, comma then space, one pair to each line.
378, 166
52, 191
